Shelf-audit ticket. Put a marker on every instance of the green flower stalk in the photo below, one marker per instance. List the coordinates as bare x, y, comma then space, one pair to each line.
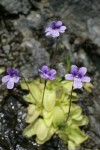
78, 75
46, 74
44, 90
28, 86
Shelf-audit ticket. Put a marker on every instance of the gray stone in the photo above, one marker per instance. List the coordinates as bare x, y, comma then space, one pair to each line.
22, 25
15, 6
6, 49
35, 20
38, 57
82, 17
27, 24
94, 30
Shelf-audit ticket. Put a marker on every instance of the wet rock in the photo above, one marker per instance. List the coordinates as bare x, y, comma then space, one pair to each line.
36, 4
30, 24
12, 119
71, 12
94, 30
15, 6
23, 46
90, 104
95, 111
10, 44
21, 25
35, 20
61, 70
6, 49
82, 58
54, 144
38, 57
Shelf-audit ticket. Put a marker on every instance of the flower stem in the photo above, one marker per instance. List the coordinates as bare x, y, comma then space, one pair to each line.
44, 90
28, 87
56, 44
68, 63
70, 102
54, 52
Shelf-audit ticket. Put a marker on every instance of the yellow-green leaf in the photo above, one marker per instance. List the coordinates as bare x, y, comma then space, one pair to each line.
49, 100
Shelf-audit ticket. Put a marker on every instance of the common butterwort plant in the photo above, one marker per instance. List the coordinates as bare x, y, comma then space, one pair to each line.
51, 108
54, 111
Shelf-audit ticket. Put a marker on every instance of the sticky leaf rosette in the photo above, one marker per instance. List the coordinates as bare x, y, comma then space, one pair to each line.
49, 118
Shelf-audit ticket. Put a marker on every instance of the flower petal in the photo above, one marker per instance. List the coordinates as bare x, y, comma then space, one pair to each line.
10, 84
9, 71
15, 72
16, 79
40, 71
51, 78
85, 79
48, 33
74, 70
69, 77
77, 84
48, 29
55, 33
45, 69
82, 71
62, 29
5, 78
45, 76
58, 23
52, 72
53, 24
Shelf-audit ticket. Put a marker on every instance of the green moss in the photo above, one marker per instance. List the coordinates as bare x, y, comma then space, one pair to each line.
49, 118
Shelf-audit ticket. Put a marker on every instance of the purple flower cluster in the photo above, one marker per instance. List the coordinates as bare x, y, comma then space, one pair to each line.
78, 75
46, 73
55, 29
11, 78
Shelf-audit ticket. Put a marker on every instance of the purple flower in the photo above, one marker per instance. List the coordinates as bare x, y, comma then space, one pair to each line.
46, 73
55, 29
78, 75
11, 78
